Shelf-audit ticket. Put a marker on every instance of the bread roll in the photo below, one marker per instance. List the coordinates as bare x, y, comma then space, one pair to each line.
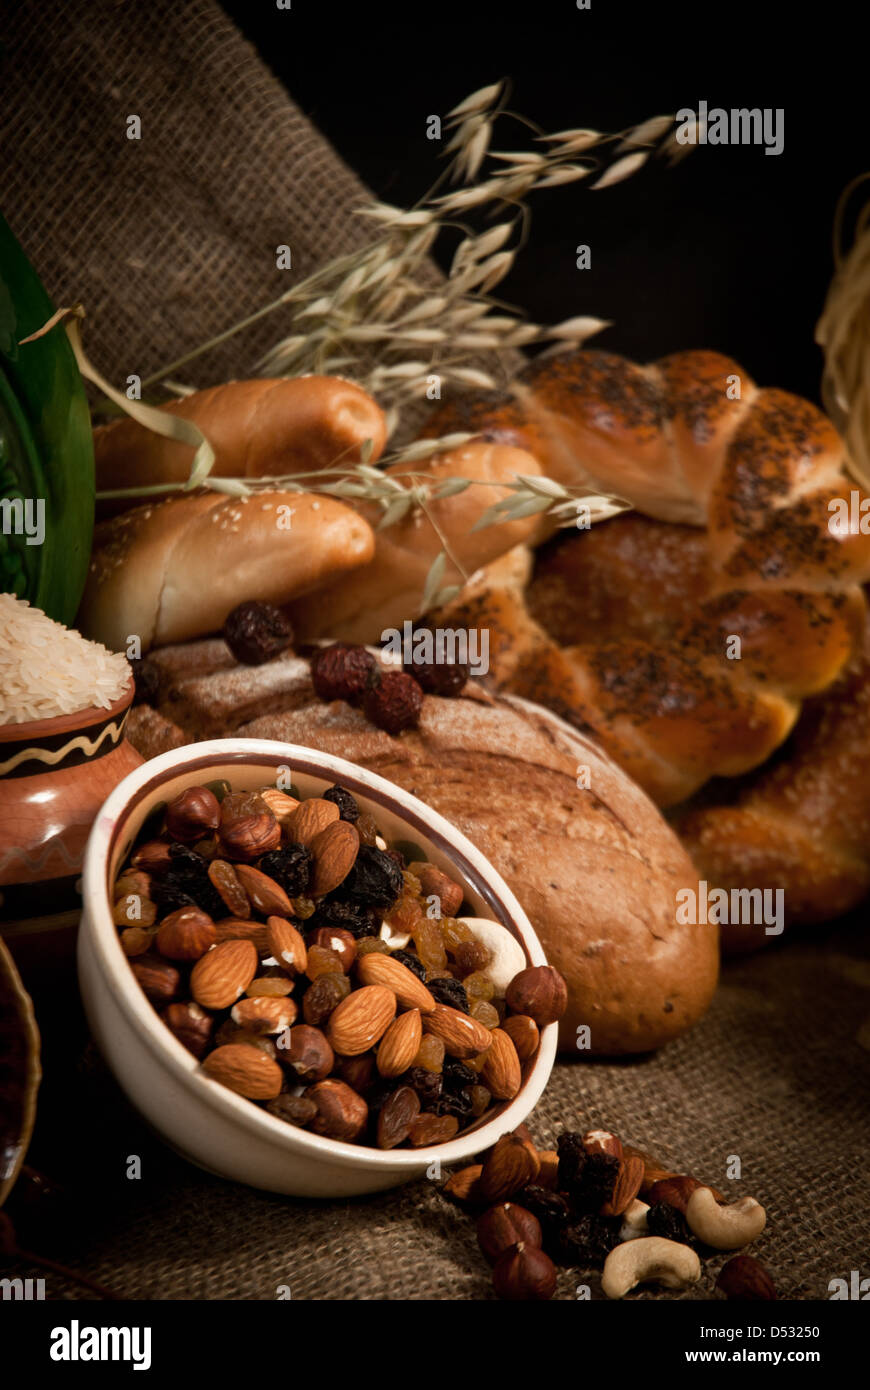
175, 569
260, 428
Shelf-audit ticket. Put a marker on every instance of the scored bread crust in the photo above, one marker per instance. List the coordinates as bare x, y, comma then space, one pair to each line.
596, 870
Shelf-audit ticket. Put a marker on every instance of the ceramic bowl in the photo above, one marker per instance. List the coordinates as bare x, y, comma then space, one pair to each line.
212, 1126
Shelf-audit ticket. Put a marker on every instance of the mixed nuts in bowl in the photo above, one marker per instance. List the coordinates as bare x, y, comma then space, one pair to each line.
303, 977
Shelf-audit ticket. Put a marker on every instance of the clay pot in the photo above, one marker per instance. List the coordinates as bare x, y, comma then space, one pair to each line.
55, 775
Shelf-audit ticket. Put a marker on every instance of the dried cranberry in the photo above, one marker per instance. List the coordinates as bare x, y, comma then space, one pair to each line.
289, 866
347, 807
450, 992
395, 702
438, 676
256, 632
375, 879
342, 672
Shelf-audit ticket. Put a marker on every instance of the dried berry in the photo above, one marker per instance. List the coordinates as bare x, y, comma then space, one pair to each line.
456, 1103
438, 676
572, 1158
347, 807
324, 995
586, 1242
289, 866
396, 1117
550, 1208
450, 992
413, 963
394, 703
367, 829
426, 1083
256, 632
664, 1220
342, 672
345, 914
295, 1110
375, 879
458, 1076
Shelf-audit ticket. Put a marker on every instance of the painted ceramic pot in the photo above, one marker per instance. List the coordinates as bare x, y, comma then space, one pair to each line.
55, 775
19, 1072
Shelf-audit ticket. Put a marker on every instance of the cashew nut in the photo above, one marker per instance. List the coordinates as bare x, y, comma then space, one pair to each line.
507, 957
724, 1227
649, 1257
634, 1221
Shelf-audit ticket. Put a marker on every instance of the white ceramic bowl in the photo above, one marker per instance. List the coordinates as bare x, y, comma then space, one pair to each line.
205, 1122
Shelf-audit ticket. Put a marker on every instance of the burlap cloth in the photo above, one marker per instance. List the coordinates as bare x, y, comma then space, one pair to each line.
168, 240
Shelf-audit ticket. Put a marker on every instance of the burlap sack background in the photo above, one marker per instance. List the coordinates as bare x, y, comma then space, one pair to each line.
168, 240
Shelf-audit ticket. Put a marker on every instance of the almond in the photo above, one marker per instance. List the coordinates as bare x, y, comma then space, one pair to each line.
461, 1035
263, 1013
242, 929
223, 974
361, 1019
549, 1174
287, 945
335, 850
379, 969
309, 818
511, 1165
602, 1141
676, 1189
280, 804
400, 1043
629, 1178
653, 1172
524, 1033
245, 1070
502, 1072
463, 1186
267, 896
185, 934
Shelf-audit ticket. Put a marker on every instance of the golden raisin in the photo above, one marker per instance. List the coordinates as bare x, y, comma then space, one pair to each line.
484, 1012
365, 944
480, 1099
430, 1054
135, 941
325, 994
470, 956
405, 916
430, 947
477, 986
322, 961
455, 933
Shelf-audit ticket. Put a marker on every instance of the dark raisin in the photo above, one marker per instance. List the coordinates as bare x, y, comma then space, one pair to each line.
664, 1220
256, 632
427, 1084
169, 894
450, 992
289, 866
458, 1103
349, 916
375, 879
396, 1117
572, 1158
347, 807
594, 1187
457, 1075
550, 1208
586, 1242
413, 963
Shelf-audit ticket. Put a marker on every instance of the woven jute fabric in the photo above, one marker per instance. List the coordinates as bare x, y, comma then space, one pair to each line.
167, 240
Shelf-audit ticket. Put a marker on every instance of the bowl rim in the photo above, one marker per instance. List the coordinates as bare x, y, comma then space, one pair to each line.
115, 968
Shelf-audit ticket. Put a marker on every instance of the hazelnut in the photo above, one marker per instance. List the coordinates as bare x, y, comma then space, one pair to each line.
153, 857
186, 934
435, 883
601, 1141
158, 979
504, 1226
135, 941
307, 1051
358, 1072
193, 815
524, 1273
744, 1279
249, 837
341, 1113
675, 1190
337, 940
191, 1025
539, 992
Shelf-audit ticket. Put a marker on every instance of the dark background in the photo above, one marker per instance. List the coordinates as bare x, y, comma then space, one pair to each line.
731, 249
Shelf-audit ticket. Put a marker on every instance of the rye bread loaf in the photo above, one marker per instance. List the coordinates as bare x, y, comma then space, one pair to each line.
596, 870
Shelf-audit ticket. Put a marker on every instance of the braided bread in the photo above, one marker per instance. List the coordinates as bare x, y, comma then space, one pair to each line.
740, 549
